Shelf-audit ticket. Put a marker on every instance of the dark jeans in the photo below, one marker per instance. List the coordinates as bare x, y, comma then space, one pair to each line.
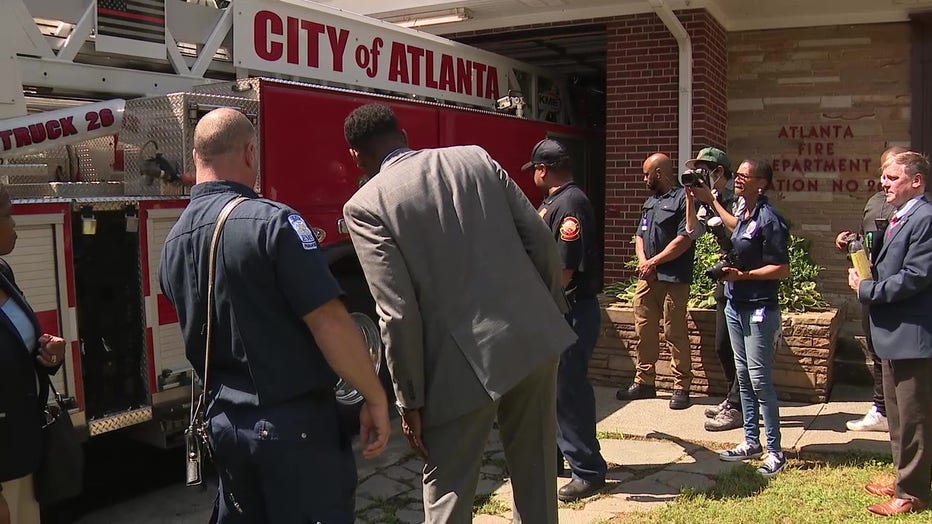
576, 438
289, 463
876, 365
726, 354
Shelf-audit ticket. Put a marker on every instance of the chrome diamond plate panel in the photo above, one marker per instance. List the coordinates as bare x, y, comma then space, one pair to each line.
111, 166
166, 125
122, 420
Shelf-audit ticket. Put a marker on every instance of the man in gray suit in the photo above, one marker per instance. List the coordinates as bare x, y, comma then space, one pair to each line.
900, 298
466, 279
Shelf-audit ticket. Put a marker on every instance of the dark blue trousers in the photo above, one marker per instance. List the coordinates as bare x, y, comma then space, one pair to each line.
289, 463
575, 399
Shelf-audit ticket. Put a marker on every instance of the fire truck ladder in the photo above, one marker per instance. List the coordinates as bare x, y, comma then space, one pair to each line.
48, 49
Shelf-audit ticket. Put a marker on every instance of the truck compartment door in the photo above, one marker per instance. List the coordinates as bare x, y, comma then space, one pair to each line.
163, 333
41, 264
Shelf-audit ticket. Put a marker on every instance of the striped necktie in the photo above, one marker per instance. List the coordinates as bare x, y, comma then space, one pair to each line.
893, 220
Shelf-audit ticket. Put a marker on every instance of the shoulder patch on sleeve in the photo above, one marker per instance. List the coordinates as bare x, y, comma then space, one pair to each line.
304, 233
569, 229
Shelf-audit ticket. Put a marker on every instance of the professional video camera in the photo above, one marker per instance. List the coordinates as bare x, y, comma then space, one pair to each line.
697, 176
723, 239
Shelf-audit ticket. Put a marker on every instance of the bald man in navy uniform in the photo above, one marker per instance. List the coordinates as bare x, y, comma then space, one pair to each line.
281, 338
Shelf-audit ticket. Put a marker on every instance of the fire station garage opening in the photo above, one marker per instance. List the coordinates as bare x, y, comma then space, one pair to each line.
109, 311
576, 52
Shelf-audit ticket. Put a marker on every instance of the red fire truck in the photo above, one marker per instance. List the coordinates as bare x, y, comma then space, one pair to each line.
98, 186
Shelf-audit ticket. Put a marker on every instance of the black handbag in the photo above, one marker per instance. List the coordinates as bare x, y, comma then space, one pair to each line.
61, 474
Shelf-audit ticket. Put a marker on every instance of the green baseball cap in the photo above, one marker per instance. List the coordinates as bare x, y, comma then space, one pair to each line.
713, 155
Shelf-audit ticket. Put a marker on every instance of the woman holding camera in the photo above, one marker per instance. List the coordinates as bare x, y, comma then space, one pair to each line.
761, 253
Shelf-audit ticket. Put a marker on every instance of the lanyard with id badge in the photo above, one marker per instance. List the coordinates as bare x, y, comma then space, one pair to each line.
757, 316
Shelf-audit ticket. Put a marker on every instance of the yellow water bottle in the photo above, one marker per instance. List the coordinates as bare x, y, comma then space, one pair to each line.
860, 259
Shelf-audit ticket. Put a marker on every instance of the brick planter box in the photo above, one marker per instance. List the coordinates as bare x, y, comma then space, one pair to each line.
802, 365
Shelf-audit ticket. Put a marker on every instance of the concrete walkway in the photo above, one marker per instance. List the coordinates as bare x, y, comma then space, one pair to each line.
653, 453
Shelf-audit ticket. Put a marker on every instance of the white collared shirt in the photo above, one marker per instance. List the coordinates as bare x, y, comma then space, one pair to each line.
901, 212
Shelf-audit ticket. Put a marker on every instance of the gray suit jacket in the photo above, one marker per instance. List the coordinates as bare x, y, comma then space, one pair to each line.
900, 297
465, 276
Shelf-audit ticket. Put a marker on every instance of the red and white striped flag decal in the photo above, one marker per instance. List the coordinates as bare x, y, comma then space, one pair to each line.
131, 27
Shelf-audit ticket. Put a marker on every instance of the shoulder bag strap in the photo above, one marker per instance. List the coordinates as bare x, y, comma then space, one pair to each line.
197, 413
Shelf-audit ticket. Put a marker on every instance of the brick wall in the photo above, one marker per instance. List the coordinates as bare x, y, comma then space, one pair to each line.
642, 109
853, 77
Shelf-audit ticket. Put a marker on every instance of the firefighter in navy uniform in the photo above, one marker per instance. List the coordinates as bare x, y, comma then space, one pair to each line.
281, 337
568, 212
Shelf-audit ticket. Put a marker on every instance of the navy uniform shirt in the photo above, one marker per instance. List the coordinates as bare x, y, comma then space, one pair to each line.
269, 274
663, 218
759, 240
876, 207
569, 214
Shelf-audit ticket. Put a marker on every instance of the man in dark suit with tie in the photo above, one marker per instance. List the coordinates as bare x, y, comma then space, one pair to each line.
900, 298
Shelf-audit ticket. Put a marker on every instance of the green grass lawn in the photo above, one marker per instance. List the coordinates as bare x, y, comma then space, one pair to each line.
822, 490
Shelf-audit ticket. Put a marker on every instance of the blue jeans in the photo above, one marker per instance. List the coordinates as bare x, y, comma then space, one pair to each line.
752, 340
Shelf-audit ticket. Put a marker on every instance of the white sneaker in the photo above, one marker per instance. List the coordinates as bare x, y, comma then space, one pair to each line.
872, 421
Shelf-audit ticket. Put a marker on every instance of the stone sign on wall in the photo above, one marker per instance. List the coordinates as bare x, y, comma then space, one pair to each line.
816, 154
820, 104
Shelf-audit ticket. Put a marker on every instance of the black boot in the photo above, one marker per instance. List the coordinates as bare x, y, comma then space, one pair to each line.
636, 391
680, 399
579, 489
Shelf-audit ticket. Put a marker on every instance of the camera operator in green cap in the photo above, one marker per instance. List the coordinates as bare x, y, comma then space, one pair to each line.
721, 194
719, 199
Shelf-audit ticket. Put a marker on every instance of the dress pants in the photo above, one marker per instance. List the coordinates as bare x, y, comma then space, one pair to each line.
21, 500
908, 394
527, 424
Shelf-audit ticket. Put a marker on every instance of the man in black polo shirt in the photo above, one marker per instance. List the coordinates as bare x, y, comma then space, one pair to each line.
281, 336
665, 254
568, 212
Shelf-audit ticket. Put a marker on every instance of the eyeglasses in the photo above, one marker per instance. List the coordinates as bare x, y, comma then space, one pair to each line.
744, 176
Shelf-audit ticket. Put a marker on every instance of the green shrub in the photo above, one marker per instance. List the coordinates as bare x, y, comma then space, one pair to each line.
797, 293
